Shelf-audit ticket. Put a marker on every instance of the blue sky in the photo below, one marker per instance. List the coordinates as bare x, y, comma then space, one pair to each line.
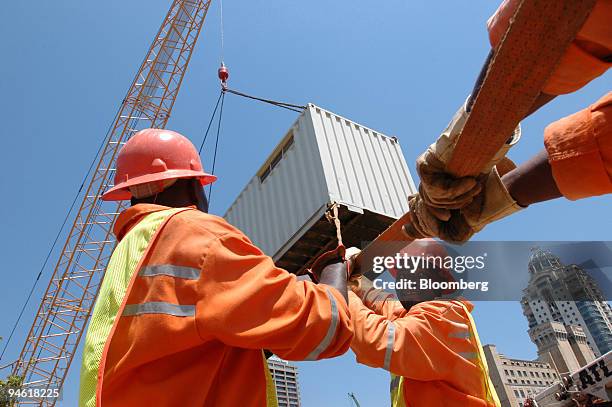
399, 67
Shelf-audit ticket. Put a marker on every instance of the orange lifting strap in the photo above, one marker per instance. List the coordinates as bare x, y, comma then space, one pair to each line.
537, 38
527, 56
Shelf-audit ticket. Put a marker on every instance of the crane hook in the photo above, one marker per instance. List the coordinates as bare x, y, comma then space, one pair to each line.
223, 76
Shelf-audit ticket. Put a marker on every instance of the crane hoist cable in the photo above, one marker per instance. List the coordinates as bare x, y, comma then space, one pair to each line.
216, 144
288, 106
220, 101
212, 118
222, 31
223, 74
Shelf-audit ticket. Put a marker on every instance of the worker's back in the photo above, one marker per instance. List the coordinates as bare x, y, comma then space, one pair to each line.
432, 350
202, 304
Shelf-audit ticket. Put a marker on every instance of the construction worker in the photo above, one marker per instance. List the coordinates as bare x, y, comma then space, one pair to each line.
575, 163
188, 303
431, 348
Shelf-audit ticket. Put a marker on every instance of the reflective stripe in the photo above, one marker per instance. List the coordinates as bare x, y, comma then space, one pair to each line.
395, 382
121, 270
460, 335
459, 326
469, 355
331, 332
390, 341
397, 391
188, 273
492, 396
159, 308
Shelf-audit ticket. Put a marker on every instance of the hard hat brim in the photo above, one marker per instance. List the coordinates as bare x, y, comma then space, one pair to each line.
120, 192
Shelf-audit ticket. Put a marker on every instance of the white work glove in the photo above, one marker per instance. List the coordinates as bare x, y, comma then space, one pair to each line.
350, 255
438, 188
493, 202
357, 282
364, 289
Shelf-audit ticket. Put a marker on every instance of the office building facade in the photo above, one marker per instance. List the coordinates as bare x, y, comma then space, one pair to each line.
565, 295
285, 376
516, 379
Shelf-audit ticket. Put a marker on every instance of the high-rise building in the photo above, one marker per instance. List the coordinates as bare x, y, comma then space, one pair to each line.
565, 347
515, 379
285, 376
565, 308
569, 322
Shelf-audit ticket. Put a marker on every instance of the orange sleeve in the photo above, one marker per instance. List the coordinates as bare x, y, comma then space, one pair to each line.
585, 59
247, 302
383, 303
374, 334
429, 343
579, 150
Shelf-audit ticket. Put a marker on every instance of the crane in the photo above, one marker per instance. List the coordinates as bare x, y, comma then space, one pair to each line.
67, 303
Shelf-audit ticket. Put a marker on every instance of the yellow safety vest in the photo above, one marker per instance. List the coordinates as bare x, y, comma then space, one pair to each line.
124, 263
397, 382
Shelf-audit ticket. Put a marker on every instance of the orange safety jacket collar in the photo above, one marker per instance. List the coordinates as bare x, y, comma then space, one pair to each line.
131, 216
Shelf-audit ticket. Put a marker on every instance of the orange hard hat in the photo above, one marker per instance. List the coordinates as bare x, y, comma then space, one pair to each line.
153, 155
428, 248
421, 248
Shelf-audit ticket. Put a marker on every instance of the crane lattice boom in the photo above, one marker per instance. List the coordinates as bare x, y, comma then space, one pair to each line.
67, 303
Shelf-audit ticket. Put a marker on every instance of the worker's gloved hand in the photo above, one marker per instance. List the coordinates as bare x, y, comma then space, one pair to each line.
439, 188
426, 223
442, 190
492, 203
360, 285
351, 255
364, 289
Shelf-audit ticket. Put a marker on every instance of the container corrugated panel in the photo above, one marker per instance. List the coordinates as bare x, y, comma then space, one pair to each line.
362, 167
323, 158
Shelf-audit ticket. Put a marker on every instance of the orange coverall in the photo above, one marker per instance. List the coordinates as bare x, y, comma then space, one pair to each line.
241, 304
430, 346
579, 146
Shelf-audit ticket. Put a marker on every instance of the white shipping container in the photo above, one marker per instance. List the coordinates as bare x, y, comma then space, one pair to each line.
323, 159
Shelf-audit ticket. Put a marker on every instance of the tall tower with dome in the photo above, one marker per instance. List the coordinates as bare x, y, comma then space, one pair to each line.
569, 320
